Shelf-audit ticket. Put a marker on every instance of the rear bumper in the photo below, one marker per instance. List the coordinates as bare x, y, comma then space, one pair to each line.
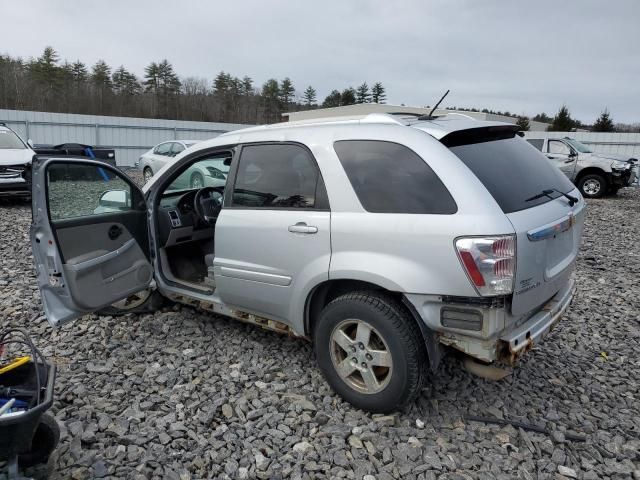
515, 342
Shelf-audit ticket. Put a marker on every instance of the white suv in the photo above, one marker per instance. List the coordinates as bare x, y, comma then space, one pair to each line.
385, 242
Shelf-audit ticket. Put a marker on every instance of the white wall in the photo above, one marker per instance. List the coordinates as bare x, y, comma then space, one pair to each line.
130, 137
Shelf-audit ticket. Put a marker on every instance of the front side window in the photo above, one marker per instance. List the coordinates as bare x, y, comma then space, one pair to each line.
80, 190
210, 171
163, 149
278, 176
559, 148
391, 178
9, 140
176, 149
581, 147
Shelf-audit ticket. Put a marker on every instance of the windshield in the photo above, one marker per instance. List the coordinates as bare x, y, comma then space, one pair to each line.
580, 147
9, 140
511, 170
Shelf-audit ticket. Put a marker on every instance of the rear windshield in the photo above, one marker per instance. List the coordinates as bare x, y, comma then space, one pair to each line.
8, 139
511, 169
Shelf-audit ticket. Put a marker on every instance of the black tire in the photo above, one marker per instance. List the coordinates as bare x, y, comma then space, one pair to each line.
147, 172
592, 185
398, 330
197, 180
45, 440
152, 303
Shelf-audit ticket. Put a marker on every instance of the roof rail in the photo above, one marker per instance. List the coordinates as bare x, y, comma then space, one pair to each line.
382, 118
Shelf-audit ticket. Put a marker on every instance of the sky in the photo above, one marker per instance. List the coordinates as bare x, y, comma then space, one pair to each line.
524, 57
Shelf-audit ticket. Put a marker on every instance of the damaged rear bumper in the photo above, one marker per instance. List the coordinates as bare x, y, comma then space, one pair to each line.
521, 339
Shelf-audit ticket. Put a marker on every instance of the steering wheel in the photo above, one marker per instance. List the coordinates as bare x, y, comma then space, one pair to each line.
207, 204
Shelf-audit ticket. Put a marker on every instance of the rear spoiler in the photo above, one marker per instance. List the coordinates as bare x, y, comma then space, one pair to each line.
480, 135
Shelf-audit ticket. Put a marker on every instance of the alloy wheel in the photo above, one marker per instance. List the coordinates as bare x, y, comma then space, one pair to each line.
591, 186
132, 301
361, 356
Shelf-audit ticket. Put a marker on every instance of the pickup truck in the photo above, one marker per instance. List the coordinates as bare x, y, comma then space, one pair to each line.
595, 174
15, 157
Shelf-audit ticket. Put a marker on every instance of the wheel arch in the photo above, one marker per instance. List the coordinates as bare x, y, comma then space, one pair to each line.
323, 293
592, 171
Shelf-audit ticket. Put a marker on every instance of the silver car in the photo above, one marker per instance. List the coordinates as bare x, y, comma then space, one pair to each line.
157, 157
595, 174
385, 242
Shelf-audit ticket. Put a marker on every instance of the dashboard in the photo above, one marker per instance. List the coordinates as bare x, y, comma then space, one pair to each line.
178, 222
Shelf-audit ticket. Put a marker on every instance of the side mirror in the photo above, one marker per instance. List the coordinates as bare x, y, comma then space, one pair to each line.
573, 154
30, 143
115, 199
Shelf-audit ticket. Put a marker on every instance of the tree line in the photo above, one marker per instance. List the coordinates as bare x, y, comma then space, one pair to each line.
563, 122
48, 84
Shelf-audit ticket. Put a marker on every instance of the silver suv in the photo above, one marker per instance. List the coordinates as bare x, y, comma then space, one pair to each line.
383, 241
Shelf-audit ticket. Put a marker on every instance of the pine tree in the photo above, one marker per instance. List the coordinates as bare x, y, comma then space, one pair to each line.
286, 92
247, 86
348, 96
604, 123
332, 100
378, 94
542, 117
221, 84
362, 94
562, 122
101, 75
79, 72
523, 123
309, 96
271, 100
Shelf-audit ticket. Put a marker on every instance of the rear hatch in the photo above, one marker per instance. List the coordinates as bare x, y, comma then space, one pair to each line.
529, 190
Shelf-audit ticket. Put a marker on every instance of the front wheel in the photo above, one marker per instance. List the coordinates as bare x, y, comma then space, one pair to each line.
147, 173
592, 185
370, 350
144, 301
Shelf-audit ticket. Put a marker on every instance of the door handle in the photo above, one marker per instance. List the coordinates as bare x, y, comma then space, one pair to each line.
302, 227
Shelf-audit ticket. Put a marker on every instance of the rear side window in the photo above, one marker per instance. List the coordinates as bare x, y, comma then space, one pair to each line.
536, 142
278, 176
510, 169
390, 178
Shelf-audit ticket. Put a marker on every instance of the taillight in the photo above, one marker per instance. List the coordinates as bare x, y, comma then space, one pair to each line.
490, 262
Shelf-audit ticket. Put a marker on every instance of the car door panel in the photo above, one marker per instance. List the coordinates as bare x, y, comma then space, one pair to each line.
259, 264
88, 254
560, 155
272, 237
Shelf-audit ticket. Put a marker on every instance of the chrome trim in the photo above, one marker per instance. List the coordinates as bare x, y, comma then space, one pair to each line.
552, 229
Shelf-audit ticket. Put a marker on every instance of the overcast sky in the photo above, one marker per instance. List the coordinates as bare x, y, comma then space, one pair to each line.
525, 57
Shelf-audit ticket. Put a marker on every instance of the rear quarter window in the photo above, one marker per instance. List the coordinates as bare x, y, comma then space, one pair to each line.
510, 169
390, 178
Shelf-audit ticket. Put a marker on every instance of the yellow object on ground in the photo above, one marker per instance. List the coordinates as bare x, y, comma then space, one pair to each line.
15, 364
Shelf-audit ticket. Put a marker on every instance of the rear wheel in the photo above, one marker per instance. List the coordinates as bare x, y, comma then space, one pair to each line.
371, 351
592, 185
147, 174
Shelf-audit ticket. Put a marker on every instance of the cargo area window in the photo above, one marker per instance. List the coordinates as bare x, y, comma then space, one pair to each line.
510, 169
390, 178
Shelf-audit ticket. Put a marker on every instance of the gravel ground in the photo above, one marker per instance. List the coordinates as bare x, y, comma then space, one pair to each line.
181, 394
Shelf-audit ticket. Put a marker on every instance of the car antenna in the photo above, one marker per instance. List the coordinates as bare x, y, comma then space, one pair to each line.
430, 116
